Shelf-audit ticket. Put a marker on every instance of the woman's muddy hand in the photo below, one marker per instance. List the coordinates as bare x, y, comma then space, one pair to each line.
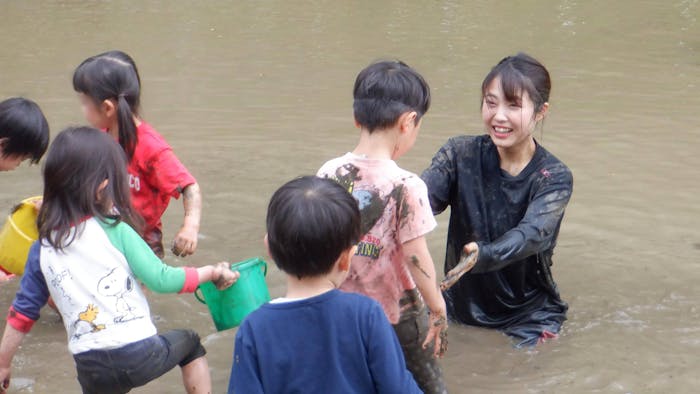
471, 247
467, 261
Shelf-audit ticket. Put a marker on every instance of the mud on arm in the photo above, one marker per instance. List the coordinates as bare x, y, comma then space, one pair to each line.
422, 270
185, 242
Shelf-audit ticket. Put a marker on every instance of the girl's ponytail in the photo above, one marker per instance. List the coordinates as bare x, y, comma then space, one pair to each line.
113, 76
127, 128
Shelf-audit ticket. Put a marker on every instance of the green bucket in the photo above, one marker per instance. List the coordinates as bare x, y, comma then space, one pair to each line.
229, 307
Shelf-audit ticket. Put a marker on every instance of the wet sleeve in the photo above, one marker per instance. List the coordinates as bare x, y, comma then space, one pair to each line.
32, 295
168, 174
535, 233
245, 374
148, 268
386, 359
440, 178
415, 215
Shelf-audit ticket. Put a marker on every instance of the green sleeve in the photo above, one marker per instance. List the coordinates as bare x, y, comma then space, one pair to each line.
148, 268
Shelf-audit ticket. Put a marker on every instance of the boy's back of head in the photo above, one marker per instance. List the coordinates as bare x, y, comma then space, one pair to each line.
24, 130
310, 222
384, 91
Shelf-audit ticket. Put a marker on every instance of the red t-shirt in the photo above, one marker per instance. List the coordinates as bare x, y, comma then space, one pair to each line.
155, 175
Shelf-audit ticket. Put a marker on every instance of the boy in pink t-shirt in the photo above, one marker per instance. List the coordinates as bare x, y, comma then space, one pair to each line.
392, 263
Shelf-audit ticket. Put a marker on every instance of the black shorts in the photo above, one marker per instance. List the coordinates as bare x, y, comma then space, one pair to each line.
133, 365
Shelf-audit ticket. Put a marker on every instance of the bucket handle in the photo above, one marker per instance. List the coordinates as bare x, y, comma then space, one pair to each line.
198, 290
30, 200
199, 297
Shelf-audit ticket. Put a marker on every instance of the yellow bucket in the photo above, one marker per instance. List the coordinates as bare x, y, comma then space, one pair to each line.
17, 236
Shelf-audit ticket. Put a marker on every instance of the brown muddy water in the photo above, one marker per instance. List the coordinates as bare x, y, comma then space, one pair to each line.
251, 94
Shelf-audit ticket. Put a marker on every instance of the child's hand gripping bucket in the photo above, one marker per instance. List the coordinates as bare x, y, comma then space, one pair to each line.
17, 236
230, 306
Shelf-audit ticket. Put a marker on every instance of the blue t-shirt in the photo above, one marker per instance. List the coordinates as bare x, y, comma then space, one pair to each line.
335, 342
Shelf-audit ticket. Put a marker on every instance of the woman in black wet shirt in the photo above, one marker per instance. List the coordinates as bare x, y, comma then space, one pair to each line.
507, 196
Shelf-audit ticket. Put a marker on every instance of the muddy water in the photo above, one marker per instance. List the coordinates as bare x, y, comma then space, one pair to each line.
252, 94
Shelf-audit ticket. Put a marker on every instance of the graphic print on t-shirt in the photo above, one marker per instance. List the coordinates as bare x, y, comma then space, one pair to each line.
85, 324
370, 203
134, 182
57, 279
117, 283
372, 207
393, 210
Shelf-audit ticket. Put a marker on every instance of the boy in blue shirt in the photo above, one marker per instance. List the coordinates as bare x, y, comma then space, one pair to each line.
316, 339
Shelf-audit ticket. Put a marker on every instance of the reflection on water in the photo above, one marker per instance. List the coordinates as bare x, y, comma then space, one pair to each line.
251, 94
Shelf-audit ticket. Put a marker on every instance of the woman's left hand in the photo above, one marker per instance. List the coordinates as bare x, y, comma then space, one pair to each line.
185, 242
472, 247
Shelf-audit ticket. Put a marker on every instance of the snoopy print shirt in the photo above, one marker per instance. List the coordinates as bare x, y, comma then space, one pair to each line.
394, 209
94, 282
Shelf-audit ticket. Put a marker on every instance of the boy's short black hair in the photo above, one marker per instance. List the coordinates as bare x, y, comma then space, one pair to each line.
24, 129
310, 222
385, 90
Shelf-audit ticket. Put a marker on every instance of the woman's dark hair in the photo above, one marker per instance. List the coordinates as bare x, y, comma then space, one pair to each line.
79, 160
521, 73
385, 90
310, 222
113, 76
24, 129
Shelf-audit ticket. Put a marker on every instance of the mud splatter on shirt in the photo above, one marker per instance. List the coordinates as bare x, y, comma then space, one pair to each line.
390, 201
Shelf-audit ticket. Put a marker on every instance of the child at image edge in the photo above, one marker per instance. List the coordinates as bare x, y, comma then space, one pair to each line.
24, 135
90, 260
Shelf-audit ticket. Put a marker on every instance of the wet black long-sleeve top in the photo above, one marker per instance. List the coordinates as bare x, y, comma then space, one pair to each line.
515, 221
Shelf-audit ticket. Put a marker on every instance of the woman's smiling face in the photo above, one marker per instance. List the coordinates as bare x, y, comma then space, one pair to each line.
509, 123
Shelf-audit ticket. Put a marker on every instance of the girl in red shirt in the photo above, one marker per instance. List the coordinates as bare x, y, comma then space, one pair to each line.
109, 88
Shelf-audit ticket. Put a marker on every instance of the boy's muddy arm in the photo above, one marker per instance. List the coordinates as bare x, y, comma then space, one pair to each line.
469, 257
10, 343
423, 271
185, 242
